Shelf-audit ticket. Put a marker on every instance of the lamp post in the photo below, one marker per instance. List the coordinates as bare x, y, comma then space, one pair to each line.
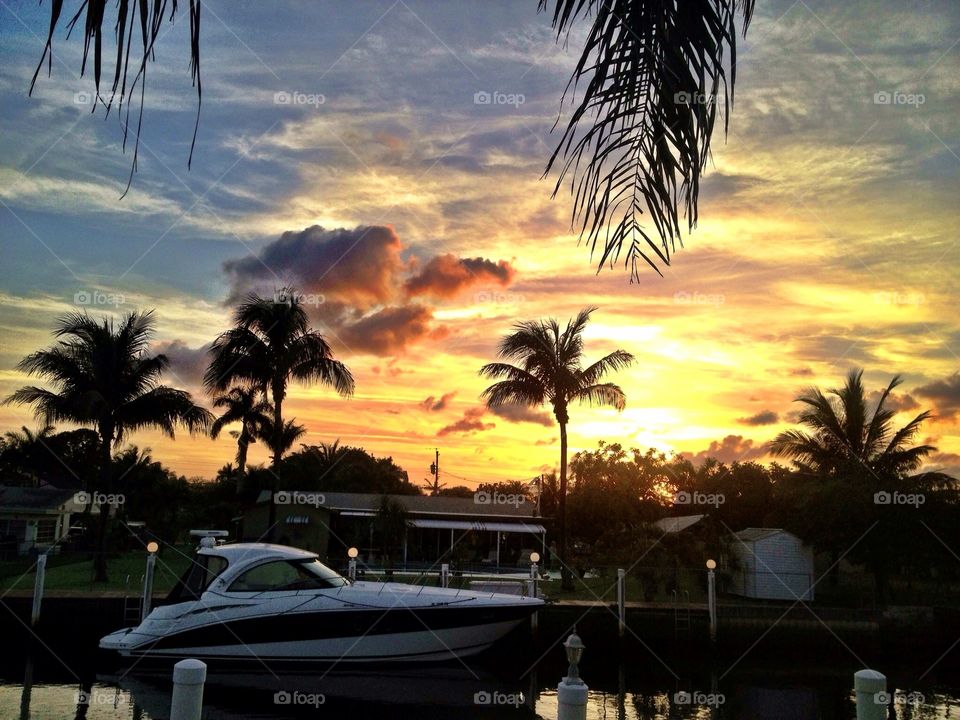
352, 563
532, 585
712, 598
152, 548
572, 692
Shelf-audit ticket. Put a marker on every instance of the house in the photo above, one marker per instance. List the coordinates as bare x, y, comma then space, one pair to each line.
482, 530
773, 564
34, 518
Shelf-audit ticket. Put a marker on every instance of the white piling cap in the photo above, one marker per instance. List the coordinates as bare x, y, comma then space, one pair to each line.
869, 681
189, 672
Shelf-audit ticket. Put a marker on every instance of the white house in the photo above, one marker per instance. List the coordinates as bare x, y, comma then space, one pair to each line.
35, 518
773, 565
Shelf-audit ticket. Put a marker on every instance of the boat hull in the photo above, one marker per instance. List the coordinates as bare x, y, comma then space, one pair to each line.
339, 636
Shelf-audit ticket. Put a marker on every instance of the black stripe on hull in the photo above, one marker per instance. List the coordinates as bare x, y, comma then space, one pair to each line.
332, 624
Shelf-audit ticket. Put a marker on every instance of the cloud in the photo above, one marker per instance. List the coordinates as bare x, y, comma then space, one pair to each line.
432, 404
523, 413
471, 422
895, 402
801, 372
387, 331
446, 275
359, 266
944, 394
733, 448
187, 364
764, 417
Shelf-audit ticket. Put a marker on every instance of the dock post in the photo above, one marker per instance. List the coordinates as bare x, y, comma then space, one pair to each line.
187, 701
445, 575
712, 598
38, 588
621, 601
870, 687
572, 692
148, 581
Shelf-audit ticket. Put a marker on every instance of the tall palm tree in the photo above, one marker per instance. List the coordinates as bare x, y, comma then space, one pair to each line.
550, 371
644, 98
271, 344
27, 449
847, 447
105, 378
247, 406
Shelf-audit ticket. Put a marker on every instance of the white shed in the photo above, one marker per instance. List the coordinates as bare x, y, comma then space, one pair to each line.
774, 565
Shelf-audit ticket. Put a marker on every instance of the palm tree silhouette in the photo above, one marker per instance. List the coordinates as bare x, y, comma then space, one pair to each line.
105, 378
27, 448
550, 371
247, 406
270, 345
281, 443
845, 441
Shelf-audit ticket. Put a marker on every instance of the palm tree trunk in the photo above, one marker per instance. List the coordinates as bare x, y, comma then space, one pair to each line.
243, 443
277, 451
103, 521
565, 574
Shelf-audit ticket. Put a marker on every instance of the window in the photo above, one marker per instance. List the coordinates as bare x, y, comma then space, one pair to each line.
46, 531
287, 575
203, 570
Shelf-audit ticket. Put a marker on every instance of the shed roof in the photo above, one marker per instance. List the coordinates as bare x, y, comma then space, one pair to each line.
36, 499
751, 534
677, 524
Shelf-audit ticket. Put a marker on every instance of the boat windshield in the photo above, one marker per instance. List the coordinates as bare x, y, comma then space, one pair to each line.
287, 575
202, 571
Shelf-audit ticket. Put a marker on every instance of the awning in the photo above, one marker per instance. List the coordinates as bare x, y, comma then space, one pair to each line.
517, 527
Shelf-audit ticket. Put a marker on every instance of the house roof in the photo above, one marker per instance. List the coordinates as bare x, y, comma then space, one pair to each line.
419, 505
33, 499
677, 524
751, 534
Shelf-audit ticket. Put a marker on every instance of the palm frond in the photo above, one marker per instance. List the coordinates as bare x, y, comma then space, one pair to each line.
652, 73
601, 394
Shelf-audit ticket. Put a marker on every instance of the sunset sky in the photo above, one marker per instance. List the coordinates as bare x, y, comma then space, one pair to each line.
341, 150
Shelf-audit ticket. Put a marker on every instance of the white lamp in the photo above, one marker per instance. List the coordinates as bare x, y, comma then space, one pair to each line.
152, 546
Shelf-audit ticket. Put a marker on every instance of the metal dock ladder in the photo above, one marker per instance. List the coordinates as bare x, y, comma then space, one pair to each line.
681, 613
132, 606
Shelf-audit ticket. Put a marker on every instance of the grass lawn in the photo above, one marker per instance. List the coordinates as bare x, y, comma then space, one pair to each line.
125, 572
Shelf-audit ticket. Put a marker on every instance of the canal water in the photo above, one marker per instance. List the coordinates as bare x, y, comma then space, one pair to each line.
517, 682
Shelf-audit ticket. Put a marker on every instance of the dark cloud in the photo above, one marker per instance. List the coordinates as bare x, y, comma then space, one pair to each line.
733, 448
764, 417
471, 422
187, 364
945, 462
359, 266
944, 394
801, 372
523, 413
895, 402
433, 404
446, 275
386, 331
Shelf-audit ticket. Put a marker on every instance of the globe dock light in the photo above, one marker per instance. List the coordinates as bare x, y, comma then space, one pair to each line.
711, 564
352, 553
574, 648
535, 557
152, 546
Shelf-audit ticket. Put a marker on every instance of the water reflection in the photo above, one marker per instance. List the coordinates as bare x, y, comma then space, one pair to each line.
636, 689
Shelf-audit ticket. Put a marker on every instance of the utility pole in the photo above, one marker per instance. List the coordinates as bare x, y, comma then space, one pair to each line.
435, 471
